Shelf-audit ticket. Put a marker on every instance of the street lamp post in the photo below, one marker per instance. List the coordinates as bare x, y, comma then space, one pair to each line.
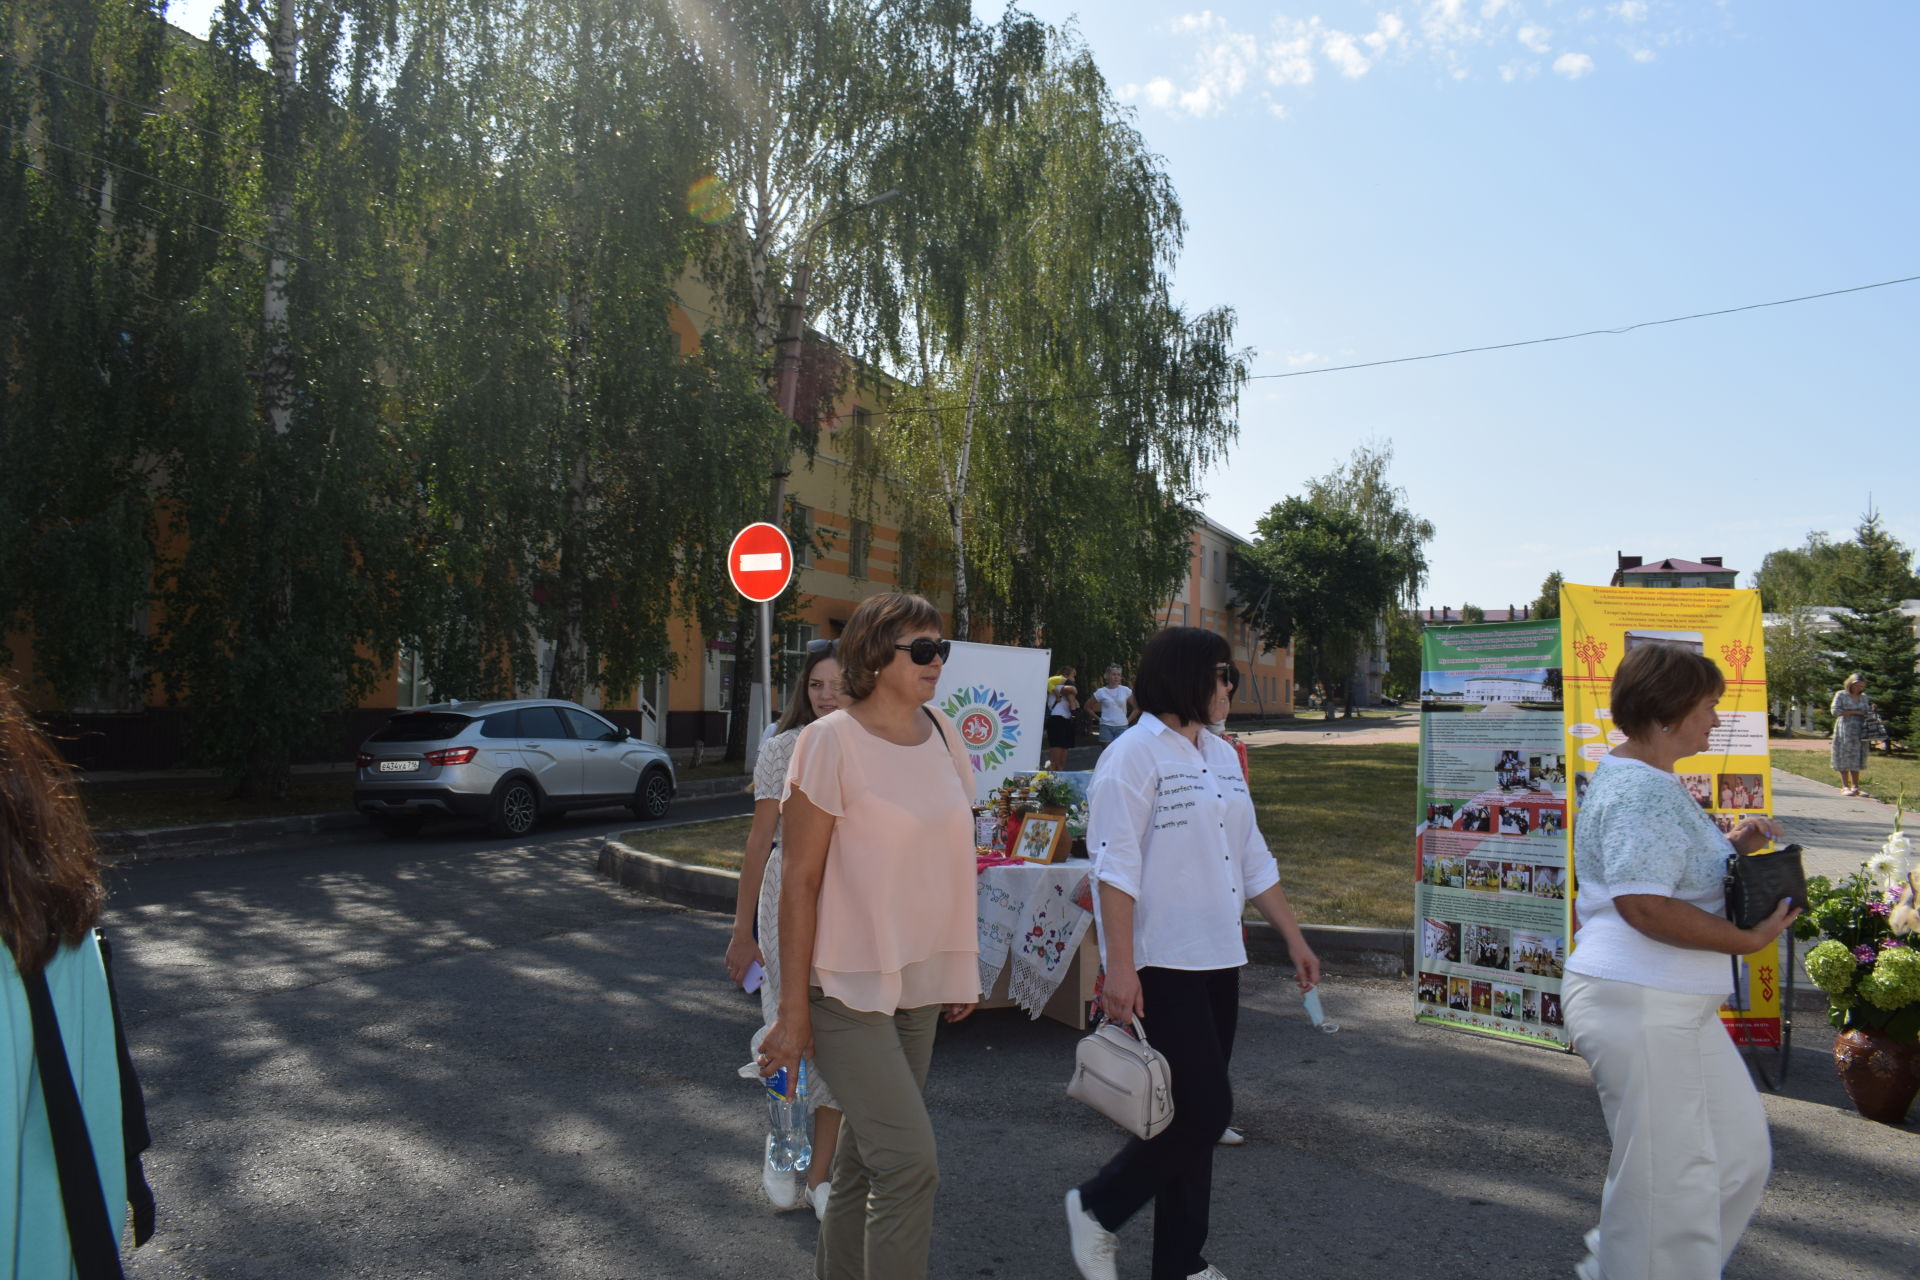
793, 328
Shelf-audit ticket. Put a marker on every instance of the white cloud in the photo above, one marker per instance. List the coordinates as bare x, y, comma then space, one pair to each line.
1460, 39
1344, 52
1297, 358
1289, 56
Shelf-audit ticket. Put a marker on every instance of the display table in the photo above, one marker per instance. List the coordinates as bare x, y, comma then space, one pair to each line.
1037, 947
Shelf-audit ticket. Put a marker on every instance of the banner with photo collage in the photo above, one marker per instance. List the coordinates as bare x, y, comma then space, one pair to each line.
1490, 849
1732, 779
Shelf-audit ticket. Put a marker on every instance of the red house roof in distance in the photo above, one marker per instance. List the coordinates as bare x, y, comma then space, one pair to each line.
1677, 566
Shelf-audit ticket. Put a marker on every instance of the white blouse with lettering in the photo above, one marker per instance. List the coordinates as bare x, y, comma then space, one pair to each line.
1172, 827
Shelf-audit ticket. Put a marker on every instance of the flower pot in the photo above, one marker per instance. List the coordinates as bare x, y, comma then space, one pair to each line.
1879, 1073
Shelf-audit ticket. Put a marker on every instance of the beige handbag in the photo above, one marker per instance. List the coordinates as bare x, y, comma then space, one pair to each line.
1124, 1079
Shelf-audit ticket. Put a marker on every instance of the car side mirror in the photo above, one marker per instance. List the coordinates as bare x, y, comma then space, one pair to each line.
621, 733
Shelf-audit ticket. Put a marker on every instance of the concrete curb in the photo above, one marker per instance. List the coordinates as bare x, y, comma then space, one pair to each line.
1379, 952
160, 842
704, 888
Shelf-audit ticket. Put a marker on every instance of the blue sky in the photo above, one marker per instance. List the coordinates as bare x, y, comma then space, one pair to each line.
1364, 182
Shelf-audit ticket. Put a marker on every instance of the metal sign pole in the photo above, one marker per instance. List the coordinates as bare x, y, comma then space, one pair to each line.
766, 681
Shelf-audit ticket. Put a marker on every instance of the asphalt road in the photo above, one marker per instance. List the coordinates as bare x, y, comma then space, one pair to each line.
451, 1057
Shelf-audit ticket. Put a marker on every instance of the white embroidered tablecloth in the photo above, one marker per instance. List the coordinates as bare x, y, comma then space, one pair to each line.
1032, 915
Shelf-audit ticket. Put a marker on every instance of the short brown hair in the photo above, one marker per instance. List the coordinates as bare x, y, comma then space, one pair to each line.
876, 626
1657, 684
50, 887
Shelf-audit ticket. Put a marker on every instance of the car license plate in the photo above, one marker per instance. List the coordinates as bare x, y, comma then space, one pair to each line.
399, 766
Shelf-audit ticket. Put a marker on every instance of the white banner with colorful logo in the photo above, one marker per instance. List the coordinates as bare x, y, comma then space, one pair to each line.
996, 697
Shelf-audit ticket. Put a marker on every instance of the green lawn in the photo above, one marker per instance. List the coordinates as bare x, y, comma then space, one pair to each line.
123, 809
1340, 820
1882, 778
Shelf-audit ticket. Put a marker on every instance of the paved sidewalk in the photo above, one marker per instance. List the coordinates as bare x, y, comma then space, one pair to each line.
1838, 833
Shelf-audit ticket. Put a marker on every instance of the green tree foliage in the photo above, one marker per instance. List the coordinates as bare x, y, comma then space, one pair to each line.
1874, 637
1815, 574
1799, 666
1360, 488
1315, 574
1403, 655
1472, 613
1547, 603
558, 429
1065, 407
76, 324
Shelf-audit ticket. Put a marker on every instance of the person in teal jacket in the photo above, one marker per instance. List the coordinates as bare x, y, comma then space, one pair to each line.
50, 900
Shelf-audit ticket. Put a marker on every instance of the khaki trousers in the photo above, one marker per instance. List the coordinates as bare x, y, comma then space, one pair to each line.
879, 1221
1691, 1151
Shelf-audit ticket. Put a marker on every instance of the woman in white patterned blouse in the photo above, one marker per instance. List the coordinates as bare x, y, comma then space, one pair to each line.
815, 694
1646, 980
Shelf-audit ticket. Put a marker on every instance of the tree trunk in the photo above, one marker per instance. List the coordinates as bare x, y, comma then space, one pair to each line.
739, 700
266, 770
569, 644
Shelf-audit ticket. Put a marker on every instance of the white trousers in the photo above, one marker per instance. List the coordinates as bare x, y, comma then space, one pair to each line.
1691, 1152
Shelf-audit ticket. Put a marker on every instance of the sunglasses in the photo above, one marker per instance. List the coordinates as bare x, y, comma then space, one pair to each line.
1228, 672
924, 650
818, 647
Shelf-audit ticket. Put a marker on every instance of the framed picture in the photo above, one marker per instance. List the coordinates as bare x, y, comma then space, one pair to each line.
1039, 837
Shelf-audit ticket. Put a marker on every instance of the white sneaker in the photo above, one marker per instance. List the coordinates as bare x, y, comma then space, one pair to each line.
1211, 1273
1094, 1247
817, 1196
1229, 1137
783, 1189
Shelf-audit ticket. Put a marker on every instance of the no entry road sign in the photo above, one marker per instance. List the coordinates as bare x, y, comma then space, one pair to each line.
760, 561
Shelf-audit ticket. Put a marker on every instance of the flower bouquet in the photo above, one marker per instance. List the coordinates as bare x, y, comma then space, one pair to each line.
1869, 967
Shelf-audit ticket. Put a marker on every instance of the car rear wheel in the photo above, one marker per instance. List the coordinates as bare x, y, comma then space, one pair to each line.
652, 796
515, 809
399, 825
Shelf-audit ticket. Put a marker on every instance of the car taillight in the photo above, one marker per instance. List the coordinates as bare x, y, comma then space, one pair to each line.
451, 755
363, 761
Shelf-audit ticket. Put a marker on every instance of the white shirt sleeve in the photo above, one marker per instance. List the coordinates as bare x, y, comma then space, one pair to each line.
1117, 813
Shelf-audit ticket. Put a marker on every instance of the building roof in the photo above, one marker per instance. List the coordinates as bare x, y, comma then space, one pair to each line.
1678, 566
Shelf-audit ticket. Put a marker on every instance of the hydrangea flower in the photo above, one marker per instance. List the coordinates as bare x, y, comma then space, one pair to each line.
1831, 966
1895, 980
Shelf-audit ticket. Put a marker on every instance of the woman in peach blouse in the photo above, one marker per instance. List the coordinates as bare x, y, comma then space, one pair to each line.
877, 931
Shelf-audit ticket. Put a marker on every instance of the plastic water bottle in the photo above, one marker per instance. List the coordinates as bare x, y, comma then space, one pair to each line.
789, 1126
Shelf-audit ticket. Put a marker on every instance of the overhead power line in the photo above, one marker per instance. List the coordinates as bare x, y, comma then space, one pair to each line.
1431, 355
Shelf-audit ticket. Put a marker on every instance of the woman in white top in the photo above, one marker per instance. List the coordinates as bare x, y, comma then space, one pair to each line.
1646, 980
816, 693
1177, 857
1113, 704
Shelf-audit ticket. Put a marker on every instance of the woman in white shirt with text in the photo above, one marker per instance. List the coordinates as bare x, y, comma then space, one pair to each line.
1177, 856
1646, 980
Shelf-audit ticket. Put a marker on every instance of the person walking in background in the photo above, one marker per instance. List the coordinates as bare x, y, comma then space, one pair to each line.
877, 929
1113, 705
1168, 902
815, 694
75, 1125
1848, 754
1646, 979
1063, 703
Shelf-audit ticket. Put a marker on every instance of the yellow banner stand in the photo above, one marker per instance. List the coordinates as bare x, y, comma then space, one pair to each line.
1731, 779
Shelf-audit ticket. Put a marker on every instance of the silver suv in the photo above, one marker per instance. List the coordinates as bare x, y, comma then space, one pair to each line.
506, 763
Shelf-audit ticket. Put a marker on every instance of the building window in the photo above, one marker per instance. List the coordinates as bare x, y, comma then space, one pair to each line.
859, 540
1216, 564
800, 533
793, 652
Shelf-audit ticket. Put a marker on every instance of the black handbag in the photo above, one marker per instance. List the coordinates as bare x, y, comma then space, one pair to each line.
1756, 882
